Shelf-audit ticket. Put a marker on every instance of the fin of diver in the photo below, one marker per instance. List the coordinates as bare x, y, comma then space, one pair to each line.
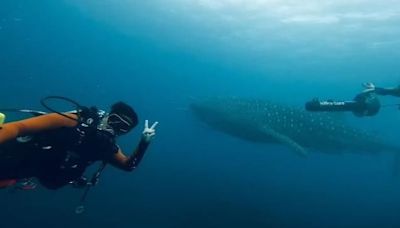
287, 141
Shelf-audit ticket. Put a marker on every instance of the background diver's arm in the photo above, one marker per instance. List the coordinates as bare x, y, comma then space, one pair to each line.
394, 91
32, 125
370, 87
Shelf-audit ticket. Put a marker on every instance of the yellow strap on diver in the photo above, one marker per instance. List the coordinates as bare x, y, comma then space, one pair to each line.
2, 118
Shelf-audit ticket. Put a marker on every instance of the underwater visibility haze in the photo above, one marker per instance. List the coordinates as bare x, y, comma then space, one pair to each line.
162, 57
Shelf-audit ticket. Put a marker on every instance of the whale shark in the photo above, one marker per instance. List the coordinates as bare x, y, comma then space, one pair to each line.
260, 120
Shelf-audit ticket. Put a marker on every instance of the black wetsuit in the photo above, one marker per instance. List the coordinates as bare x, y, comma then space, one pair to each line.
55, 157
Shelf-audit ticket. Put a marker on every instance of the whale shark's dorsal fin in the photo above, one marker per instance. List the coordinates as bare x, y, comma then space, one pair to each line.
285, 140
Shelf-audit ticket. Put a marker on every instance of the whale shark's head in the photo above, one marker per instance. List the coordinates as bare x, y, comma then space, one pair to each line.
207, 111
229, 115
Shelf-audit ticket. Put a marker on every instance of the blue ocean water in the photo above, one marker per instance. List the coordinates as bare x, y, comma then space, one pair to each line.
160, 56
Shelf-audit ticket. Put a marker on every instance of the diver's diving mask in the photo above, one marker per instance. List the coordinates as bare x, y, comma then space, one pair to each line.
119, 123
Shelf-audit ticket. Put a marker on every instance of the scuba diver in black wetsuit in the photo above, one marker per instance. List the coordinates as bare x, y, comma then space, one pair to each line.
56, 148
365, 103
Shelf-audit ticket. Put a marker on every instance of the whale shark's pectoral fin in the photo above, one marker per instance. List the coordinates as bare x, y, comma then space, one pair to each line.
287, 141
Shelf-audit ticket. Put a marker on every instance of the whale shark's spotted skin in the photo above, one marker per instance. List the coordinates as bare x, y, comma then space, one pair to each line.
264, 121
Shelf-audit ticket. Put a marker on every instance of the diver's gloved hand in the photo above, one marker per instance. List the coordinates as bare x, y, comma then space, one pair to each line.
149, 132
368, 87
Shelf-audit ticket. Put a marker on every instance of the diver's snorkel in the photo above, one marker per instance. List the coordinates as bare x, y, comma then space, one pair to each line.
364, 104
